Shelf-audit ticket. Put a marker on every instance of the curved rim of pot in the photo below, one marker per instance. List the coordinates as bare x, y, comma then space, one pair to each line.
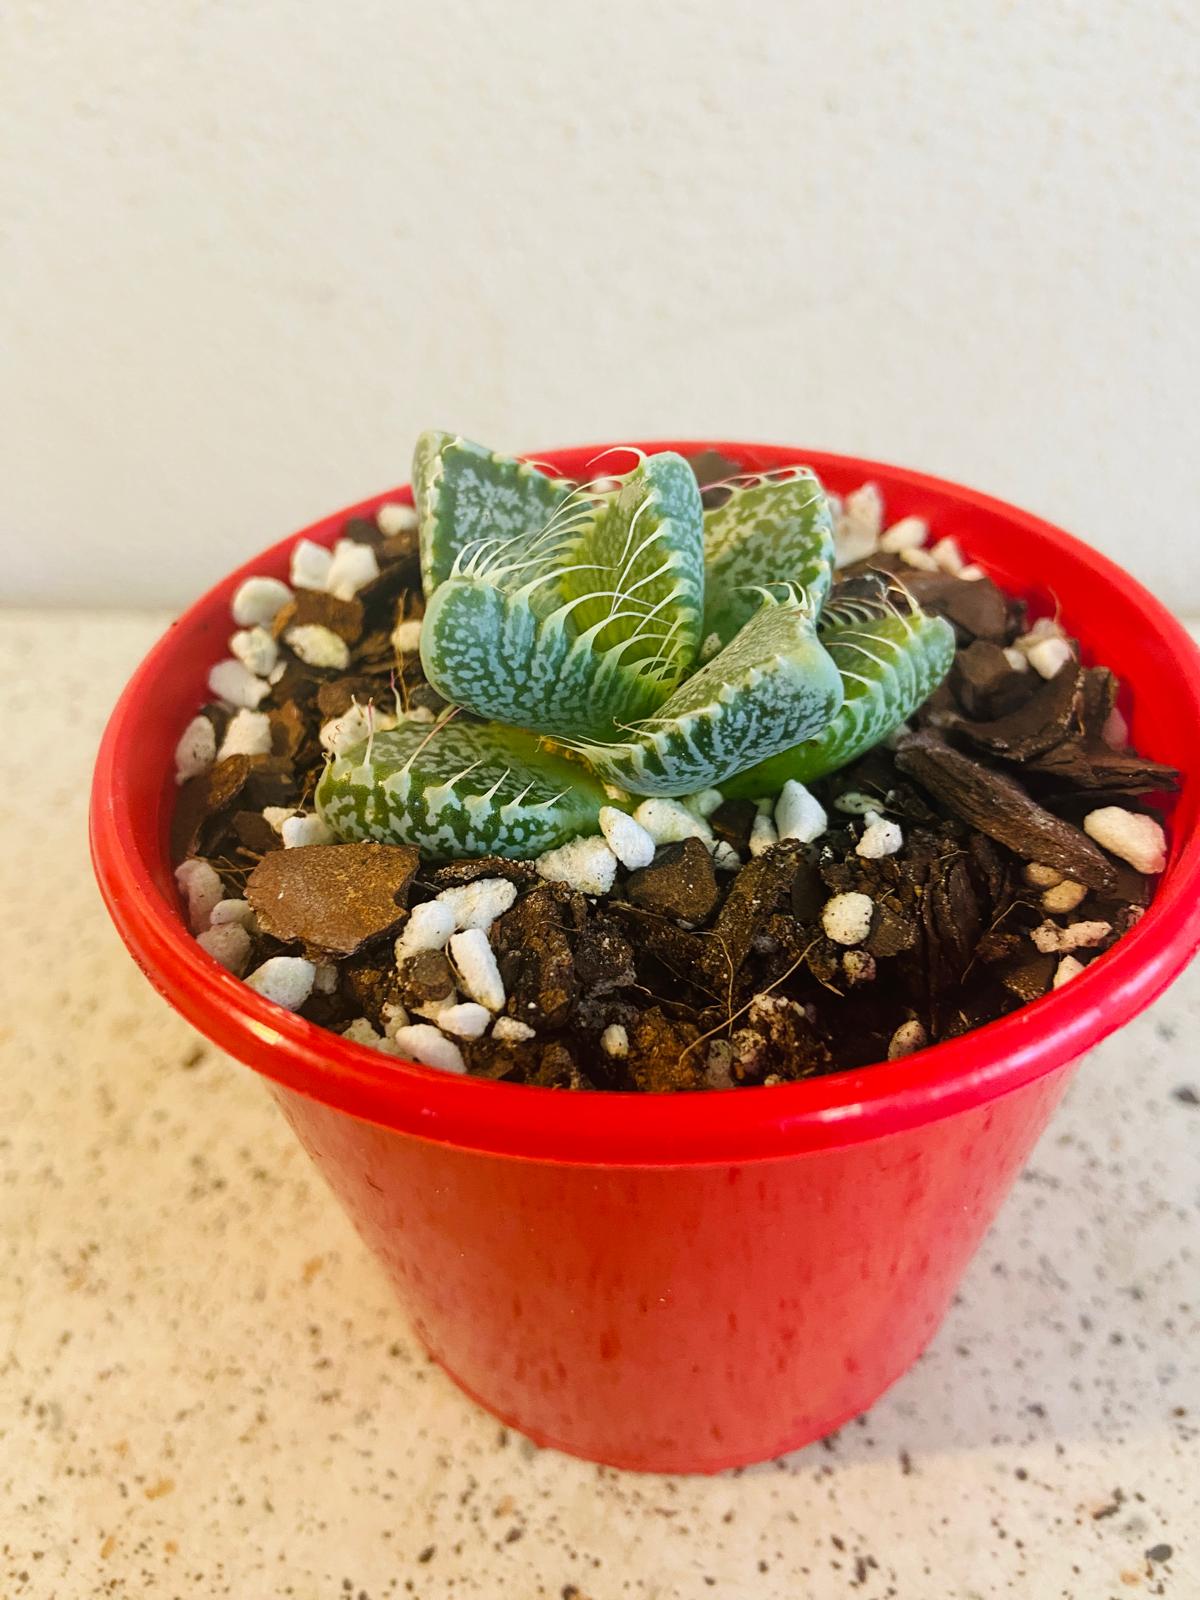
128, 836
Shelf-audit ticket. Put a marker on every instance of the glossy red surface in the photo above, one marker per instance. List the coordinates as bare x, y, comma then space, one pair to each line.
677, 1282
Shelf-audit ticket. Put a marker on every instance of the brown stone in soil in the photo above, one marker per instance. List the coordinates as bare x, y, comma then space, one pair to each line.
732, 822
986, 685
335, 697
454, 874
603, 957
1048, 716
1093, 766
656, 1063
289, 730
534, 955
425, 977
977, 610
998, 806
557, 1068
204, 797
255, 833
315, 608
1028, 974
333, 898
762, 887
679, 883
370, 981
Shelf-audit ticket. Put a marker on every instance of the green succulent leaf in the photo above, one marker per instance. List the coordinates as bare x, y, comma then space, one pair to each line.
587, 627
459, 788
773, 685
773, 531
889, 662
466, 495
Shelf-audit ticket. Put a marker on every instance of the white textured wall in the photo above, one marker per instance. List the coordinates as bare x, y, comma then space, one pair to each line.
249, 249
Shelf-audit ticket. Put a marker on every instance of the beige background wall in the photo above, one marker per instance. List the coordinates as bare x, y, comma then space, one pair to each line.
249, 249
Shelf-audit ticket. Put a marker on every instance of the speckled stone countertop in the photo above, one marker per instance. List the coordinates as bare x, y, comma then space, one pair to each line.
208, 1390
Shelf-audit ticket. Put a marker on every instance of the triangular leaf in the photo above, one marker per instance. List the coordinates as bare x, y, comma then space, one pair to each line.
890, 663
770, 531
774, 685
460, 788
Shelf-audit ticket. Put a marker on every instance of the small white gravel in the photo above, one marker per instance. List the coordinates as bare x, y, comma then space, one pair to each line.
406, 637
1115, 731
799, 814
247, 734
1063, 897
704, 802
626, 838
258, 601
880, 838
393, 1016
1039, 876
228, 943
288, 980
858, 526
276, 816
310, 565
428, 927
614, 1041
196, 750
1051, 939
393, 518
763, 834
200, 886
352, 568
232, 681
668, 822
1043, 628
585, 864
432, 1009
1066, 969
846, 918
256, 649
920, 559
725, 857
949, 557
1017, 659
234, 910
478, 904
325, 978
422, 1042
362, 1031
1135, 838
299, 831
908, 1037
972, 572
859, 966
465, 1021
318, 646
475, 961
1049, 656
510, 1029
856, 804
342, 733
910, 533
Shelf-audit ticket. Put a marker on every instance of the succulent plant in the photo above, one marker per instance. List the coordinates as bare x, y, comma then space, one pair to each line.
618, 640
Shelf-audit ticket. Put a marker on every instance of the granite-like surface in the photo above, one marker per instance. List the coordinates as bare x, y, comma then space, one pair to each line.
206, 1388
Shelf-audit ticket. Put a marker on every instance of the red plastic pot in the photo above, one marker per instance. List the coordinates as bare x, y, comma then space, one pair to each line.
677, 1283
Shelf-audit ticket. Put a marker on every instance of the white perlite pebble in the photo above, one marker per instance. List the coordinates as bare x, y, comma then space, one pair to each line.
614, 1041
972, 572
1130, 835
325, 978
920, 559
465, 1021
909, 1036
288, 980
846, 918
668, 822
799, 814
763, 834
256, 650
478, 904
196, 750
1115, 731
949, 557
711, 647
342, 733
584, 864
880, 838
299, 831
1066, 969
1043, 628
200, 886
512, 1030
228, 943
704, 803
424, 1043
393, 1015
434, 1008
1039, 876
240, 911
428, 927
318, 646
1063, 897
352, 568
910, 533
475, 962
248, 734
725, 857
1016, 659
1049, 656
406, 637
856, 533
859, 966
258, 601
276, 816
233, 682
857, 804
362, 1031
393, 518
626, 838
1051, 939
310, 564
